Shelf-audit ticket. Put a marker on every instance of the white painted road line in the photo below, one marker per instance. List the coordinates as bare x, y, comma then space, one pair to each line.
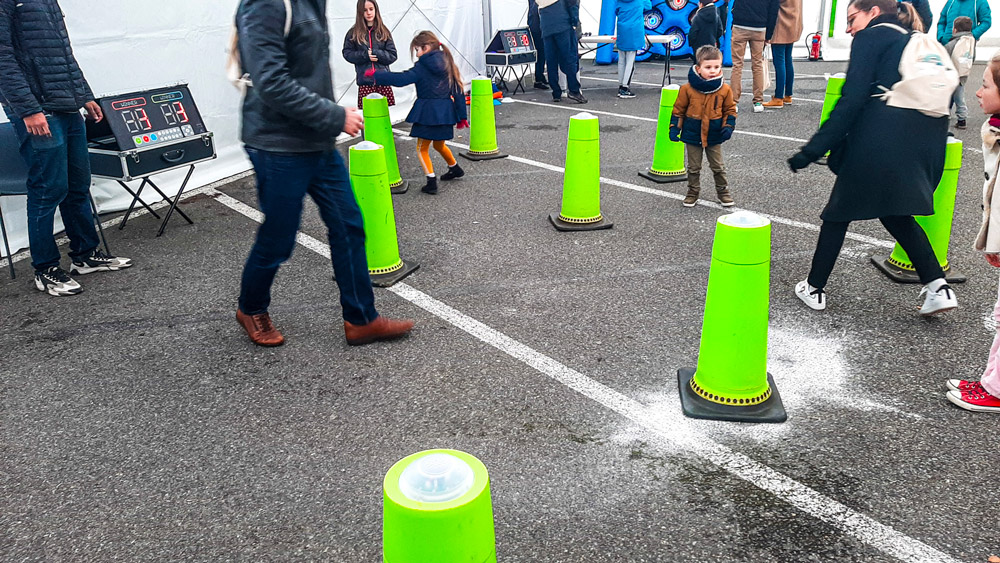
661, 193
658, 86
670, 427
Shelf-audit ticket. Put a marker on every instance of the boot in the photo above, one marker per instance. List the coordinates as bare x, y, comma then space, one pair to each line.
453, 172
692, 197
431, 187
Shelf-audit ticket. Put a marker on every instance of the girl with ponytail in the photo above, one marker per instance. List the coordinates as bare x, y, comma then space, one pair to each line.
440, 104
888, 160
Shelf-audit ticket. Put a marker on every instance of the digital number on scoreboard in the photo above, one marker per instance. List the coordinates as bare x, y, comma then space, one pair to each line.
153, 117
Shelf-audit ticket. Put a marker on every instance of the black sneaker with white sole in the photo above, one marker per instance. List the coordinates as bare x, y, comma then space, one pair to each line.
55, 281
99, 262
625, 92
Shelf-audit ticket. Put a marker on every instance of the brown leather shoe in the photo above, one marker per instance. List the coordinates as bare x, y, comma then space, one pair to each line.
774, 103
787, 100
379, 329
260, 329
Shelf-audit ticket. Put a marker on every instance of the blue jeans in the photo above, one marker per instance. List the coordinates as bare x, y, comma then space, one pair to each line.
784, 72
561, 54
958, 99
58, 177
283, 180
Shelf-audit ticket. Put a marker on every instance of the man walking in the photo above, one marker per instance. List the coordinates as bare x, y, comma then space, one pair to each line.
290, 127
42, 91
753, 24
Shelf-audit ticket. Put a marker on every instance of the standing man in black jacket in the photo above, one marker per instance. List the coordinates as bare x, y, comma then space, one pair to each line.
42, 90
753, 24
290, 128
535, 26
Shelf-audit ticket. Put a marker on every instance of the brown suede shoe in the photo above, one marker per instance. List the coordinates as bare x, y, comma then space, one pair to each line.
787, 100
774, 103
260, 329
379, 329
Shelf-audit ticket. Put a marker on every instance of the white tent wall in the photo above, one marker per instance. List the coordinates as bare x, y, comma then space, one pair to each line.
128, 45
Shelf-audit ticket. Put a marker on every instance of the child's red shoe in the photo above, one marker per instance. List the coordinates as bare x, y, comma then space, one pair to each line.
977, 401
964, 385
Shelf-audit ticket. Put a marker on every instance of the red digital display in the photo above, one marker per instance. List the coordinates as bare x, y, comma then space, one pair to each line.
517, 41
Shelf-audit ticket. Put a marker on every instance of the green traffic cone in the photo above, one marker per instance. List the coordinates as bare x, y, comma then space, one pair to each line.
371, 188
378, 129
897, 266
482, 122
668, 156
834, 86
581, 201
731, 381
436, 507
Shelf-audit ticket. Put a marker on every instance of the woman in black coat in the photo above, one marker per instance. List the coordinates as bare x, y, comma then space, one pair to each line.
888, 160
368, 45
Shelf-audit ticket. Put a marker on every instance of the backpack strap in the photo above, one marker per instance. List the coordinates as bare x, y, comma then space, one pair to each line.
288, 17
893, 26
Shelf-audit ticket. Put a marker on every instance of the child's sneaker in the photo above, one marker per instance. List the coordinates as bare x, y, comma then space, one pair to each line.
99, 262
453, 172
625, 92
691, 198
725, 198
936, 302
961, 385
977, 401
55, 281
813, 297
758, 107
960, 124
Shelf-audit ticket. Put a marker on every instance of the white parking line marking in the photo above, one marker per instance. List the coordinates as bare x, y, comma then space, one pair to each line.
660, 193
669, 426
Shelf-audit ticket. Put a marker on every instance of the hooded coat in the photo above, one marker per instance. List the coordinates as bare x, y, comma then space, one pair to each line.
631, 31
875, 177
988, 239
439, 104
976, 10
706, 28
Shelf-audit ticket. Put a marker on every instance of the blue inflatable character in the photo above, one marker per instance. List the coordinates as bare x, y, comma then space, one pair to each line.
666, 17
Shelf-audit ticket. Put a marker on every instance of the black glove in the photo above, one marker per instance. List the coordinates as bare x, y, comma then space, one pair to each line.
675, 134
799, 161
727, 133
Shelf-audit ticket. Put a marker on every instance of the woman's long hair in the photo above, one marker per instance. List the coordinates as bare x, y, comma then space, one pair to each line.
428, 39
359, 33
905, 11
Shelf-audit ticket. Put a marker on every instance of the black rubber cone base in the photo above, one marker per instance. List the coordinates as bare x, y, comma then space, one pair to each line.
400, 189
386, 280
899, 275
561, 225
695, 406
663, 179
472, 156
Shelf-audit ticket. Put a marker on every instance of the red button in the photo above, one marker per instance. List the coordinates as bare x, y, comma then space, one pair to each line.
145, 138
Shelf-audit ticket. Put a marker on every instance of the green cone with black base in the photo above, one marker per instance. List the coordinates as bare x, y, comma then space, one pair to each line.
834, 87
436, 508
731, 381
378, 129
371, 188
668, 156
897, 266
581, 200
482, 122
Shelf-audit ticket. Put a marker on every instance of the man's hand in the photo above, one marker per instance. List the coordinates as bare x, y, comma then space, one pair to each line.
353, 122
37, 125
993, 259
93, 110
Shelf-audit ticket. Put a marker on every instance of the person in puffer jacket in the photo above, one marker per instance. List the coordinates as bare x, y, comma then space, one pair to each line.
42, 91
369, 45
704, 117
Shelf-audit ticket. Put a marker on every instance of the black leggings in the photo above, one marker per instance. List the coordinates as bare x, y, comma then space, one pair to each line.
904, 229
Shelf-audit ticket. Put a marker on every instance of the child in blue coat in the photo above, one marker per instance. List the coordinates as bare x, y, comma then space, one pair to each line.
631, 36
440, 104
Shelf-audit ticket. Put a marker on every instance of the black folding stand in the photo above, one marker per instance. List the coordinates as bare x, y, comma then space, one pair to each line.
173, 202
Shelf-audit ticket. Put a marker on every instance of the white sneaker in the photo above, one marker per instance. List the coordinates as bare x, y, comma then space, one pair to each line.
758, 107
939, 301
814, 298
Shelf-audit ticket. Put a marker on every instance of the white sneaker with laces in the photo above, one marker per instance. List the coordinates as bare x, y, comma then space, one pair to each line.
936, 302
98, 261
758, 107
813, 297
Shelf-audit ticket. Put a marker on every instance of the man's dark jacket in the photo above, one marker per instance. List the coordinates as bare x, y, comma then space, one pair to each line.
756, 13
290, 107
37, 69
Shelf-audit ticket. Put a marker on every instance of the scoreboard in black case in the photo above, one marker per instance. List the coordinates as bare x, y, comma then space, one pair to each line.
511, 47
154, 117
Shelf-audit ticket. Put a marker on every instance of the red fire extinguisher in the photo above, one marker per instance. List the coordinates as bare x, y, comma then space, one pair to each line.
816, 46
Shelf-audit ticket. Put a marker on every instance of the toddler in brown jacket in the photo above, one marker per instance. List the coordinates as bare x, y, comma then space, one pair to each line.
704, 117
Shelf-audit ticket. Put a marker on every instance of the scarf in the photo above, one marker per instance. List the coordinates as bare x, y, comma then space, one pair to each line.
702, 85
